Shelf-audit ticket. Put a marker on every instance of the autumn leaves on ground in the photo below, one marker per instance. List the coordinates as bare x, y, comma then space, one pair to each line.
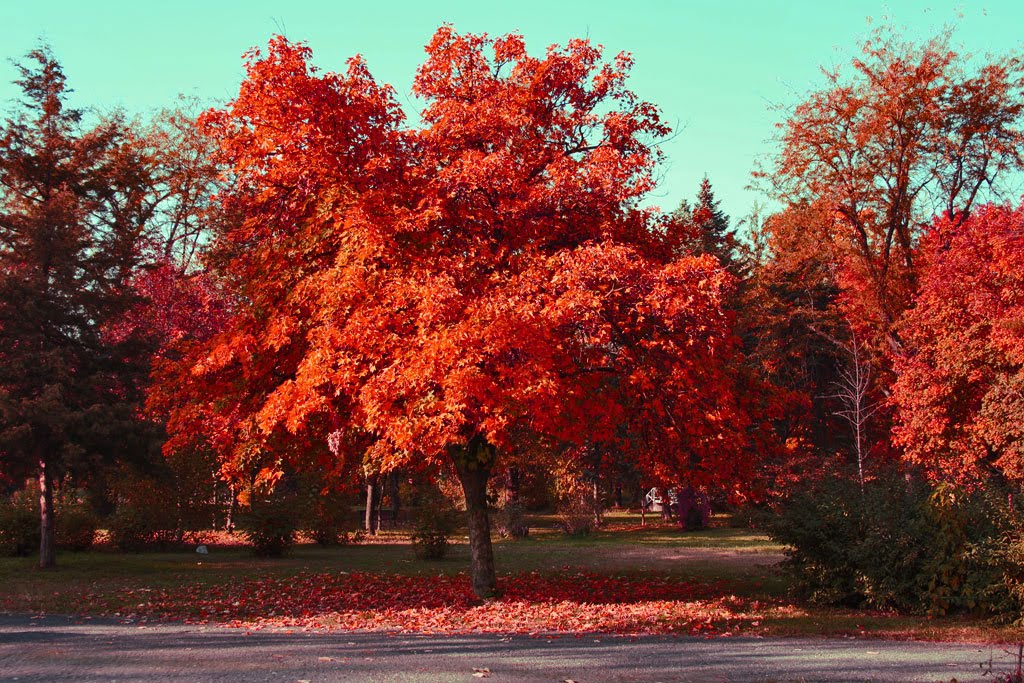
622, 581
529, 603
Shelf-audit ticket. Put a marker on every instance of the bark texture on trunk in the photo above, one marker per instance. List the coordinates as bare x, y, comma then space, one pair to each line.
47, 554
372, 517
473, 464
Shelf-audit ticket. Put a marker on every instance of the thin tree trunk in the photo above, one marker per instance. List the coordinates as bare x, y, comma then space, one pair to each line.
371, 521
47, 555
214, 501
514, 484
643, 506
378, 504
394, 496
473, 465
854, 385
229, 522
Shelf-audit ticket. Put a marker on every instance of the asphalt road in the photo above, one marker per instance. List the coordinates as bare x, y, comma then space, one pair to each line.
60, 650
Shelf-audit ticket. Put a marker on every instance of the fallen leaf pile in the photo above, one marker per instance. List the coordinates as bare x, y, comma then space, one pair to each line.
529, 604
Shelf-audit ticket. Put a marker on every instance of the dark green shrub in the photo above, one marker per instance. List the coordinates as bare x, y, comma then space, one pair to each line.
575, 522
899, 544
323, 519
748, 516
321, 511
435, 522
857, 548
135, 527
576, 515
270, 528
325, 534
19, 529
1008, 596
146, 516
76, 528
979, 560
511, 522
351, 537
960, 573
430, 543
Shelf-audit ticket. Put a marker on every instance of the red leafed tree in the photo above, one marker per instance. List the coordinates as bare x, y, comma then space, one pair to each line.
171, 308
960, 391
908, 132
436, 293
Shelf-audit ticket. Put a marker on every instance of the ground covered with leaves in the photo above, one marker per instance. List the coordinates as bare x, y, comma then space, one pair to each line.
530, 603
623, 580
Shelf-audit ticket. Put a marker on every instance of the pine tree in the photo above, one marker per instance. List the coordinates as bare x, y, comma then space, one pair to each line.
72, 225
712, 227
703, 228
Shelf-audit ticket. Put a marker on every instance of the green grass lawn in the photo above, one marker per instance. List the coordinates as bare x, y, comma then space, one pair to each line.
737, 561
622, 547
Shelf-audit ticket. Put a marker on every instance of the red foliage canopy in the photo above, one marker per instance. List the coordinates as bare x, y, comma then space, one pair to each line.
488, 272
906, 132
960, 393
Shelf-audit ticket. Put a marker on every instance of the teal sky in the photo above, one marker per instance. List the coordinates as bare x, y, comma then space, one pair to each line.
715, 68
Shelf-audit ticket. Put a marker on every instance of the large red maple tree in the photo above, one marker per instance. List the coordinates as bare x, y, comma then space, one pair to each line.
426, 295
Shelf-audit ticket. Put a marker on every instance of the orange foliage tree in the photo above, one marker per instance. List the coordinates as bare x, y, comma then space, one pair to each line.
909, 133
960, 391
426, 296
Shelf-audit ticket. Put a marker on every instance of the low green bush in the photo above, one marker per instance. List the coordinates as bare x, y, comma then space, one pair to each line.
323, 518
576, 515
575, 522
511, 521
270, 528
434, 523
19, 529
900, 544
76, 528
856, 548
135, 527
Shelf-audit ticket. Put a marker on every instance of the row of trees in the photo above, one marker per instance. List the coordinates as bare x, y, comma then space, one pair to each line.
893, 179
307, 281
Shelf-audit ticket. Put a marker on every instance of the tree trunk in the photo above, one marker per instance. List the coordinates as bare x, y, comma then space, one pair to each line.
514, 483
372, 520
643, 505
229, 521
473, 465
378, 504
47, 555
394, 496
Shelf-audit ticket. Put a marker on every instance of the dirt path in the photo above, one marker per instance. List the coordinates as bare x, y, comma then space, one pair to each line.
734, 558
633, 558
59, 650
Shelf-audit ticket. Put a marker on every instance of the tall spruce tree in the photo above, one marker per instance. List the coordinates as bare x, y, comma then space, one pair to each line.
712, 227
703, 228
72, 226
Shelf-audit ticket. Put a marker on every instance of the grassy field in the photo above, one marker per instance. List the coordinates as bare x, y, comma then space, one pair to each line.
734, 562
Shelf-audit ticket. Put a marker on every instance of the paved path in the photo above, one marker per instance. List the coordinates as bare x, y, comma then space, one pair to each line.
58, 650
